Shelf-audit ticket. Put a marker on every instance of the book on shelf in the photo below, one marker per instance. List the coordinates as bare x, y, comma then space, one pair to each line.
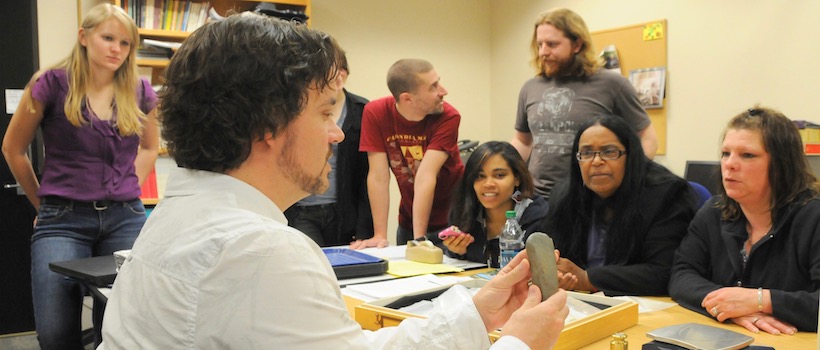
173, 45
172, 15
145, 50
148, 14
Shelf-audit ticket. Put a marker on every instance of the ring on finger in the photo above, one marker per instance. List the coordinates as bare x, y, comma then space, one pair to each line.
754, 322
714, 311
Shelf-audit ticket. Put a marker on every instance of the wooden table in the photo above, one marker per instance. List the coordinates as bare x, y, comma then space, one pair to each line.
636, 335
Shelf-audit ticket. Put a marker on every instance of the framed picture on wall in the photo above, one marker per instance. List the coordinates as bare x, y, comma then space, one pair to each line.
650, 83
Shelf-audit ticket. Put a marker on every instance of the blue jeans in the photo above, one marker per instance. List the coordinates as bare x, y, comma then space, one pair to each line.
70, 230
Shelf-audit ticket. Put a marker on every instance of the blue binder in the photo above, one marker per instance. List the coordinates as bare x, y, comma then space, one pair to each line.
348, 263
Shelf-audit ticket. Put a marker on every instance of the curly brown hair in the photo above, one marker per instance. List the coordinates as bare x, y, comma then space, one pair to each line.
234, 80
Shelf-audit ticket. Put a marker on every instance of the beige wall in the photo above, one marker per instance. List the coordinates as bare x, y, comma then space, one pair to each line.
57, 29
453, 35
723, 56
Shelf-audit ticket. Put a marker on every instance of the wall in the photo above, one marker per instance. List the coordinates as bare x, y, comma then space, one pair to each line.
723, 57
453, 35
57, 29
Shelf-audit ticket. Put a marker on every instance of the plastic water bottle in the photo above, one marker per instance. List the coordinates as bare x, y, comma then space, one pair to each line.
511, 240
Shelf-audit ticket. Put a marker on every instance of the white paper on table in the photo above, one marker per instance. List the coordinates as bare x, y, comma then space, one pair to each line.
647, 305
397, 253
402, 286
358, 280
387, 253
464, 264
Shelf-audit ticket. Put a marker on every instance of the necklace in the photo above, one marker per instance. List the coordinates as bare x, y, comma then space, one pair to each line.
746, 249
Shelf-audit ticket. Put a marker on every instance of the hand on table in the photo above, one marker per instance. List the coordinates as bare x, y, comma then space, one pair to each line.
741, 306
370, 242
764, 322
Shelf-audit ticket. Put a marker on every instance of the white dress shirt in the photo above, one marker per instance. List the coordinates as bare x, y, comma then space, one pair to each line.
216, 267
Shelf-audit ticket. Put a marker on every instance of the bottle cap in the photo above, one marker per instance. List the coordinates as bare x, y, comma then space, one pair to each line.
510, 214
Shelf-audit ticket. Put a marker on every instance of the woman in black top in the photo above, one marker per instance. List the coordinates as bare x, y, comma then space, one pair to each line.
619, 217
752, 254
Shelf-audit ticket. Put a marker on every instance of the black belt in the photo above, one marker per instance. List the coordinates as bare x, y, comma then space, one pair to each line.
97, 205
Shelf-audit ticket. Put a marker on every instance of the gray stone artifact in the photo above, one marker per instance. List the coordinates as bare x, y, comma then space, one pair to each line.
541, 254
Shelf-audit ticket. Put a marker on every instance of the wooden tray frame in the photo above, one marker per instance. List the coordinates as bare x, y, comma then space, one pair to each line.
620, 315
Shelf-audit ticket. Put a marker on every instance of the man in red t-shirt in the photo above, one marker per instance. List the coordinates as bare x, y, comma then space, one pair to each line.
414, 133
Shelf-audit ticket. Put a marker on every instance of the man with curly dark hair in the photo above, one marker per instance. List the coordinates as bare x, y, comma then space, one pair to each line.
247, 112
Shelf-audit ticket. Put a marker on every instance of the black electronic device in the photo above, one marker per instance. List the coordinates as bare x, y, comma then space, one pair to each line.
704, 172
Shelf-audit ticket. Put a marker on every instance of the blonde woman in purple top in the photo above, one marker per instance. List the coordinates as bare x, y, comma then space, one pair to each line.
101, 140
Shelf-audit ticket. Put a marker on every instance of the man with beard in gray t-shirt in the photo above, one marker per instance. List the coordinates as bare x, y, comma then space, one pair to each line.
570, 88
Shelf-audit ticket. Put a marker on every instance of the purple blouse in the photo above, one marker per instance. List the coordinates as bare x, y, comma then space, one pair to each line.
90, 162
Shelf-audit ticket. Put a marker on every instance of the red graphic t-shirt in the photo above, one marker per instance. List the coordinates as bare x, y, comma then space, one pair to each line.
405, 142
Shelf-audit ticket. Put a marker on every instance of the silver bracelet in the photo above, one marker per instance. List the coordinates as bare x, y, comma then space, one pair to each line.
760, 299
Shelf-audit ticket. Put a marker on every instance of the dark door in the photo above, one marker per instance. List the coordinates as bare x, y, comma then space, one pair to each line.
19, 59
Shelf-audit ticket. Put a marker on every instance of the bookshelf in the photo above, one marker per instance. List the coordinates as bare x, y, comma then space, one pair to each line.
222, 7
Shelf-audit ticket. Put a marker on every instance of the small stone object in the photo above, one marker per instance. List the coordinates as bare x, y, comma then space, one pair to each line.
541, 254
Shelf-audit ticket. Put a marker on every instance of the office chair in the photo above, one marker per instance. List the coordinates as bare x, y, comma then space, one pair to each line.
702, 194
466, 148
704, 172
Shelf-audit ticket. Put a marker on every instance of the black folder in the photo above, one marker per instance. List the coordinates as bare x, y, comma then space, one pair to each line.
98, 271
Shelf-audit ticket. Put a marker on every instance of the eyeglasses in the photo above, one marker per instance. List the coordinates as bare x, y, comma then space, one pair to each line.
607, 154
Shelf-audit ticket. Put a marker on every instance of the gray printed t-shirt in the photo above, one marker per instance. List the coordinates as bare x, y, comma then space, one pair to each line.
553, 109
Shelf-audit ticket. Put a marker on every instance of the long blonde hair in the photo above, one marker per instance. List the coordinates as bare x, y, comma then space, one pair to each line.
78, 71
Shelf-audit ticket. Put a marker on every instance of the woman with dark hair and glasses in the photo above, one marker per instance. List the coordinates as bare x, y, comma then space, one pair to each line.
752, 254
619, 217
495, 180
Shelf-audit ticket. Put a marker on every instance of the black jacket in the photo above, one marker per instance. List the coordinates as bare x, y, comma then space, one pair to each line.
532, 220
787, 262
352, 203
669, 208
